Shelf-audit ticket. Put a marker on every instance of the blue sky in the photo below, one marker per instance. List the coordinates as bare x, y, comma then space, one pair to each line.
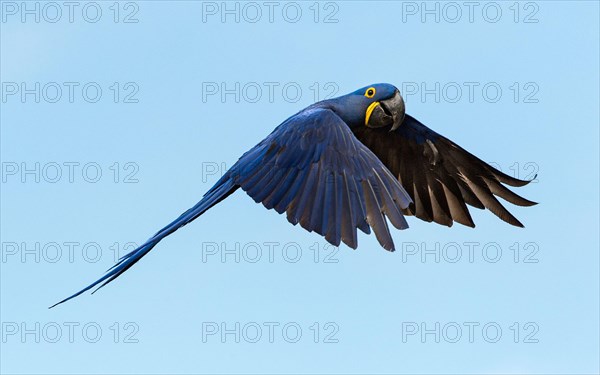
117, 117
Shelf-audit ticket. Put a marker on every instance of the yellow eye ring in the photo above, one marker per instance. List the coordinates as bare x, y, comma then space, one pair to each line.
370, 92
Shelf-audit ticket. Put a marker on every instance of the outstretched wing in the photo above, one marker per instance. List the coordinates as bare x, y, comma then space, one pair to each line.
440, 176
313, 168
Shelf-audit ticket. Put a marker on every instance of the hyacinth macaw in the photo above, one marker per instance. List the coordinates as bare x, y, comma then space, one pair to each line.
353, 162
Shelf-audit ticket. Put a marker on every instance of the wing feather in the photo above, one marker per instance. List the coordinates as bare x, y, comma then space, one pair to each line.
347, 212
441, 177
282, 187
375, 217
314, 169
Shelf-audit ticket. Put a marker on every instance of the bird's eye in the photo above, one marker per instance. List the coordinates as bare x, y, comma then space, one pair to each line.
370, 92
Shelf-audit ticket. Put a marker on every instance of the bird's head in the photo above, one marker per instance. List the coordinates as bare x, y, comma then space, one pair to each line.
375, 106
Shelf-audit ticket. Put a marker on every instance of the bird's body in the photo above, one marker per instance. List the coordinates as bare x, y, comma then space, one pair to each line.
350, 163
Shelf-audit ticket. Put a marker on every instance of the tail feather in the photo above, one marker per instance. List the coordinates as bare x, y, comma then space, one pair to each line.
220, 191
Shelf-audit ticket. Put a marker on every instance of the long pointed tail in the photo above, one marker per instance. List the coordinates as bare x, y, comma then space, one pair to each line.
217, 193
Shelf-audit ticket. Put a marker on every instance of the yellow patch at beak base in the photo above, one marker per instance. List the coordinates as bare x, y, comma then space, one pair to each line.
370, 109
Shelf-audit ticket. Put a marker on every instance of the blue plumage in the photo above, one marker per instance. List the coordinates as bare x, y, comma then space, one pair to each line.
349, 163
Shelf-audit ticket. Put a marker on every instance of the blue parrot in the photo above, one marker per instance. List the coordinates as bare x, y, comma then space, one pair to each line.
355, 161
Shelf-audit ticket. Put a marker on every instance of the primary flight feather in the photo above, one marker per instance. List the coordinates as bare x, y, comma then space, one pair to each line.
356, 161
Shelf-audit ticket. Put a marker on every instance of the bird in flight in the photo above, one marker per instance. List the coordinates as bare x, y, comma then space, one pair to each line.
355, 161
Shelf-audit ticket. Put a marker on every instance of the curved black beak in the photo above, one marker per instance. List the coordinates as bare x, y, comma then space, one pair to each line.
395, 108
